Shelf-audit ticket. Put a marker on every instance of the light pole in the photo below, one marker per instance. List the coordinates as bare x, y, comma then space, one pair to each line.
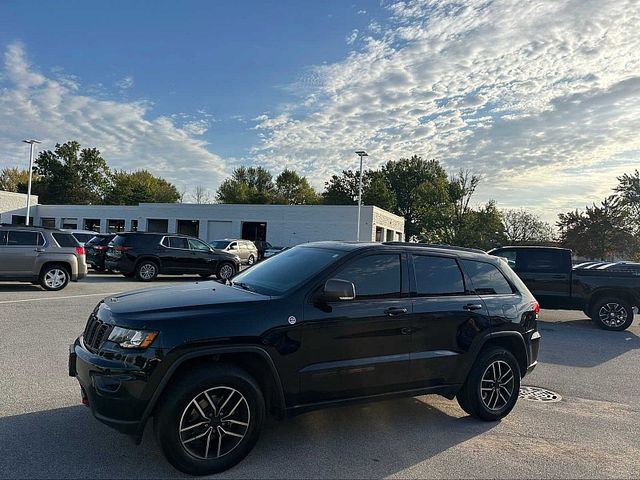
32, 148
360, 153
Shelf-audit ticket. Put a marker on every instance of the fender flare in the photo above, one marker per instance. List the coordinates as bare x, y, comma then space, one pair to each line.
505, 333
204, 352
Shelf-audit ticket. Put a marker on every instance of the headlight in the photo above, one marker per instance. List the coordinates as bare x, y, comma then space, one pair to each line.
237, 258
128, 338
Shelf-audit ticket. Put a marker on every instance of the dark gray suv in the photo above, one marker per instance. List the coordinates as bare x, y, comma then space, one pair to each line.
44, 256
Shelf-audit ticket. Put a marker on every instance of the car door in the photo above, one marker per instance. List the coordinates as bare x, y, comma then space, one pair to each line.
445, 320
4, 269
176, 257
21, 252
204, 260
234, 249
361, 346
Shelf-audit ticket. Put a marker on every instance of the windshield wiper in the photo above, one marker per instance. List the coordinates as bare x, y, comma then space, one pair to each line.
244, 286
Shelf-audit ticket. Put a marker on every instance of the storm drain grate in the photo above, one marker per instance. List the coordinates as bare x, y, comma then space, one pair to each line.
537, 394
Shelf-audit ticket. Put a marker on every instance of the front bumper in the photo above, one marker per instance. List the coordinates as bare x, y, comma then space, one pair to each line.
115, 390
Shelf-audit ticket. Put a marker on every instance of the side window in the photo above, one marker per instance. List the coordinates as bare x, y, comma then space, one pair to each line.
486, 278
511, 256
540, 261
233, 246
65, 239
437, 276
3, 238
198, 245
24, 239
178, 242
374, 276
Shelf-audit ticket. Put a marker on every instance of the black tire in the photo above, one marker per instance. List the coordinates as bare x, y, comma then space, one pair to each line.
54, 277
98, 268
177, 410
205, 275
493, 404
147, 270
128, 275
251, 260
223, 268
611, 313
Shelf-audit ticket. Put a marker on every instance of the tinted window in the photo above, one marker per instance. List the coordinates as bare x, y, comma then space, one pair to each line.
65, 239
198, 245
3, 238
540, 261
100, 240
374, 276
83, 237
18, 238
178, 242
486, 278
219, 244
119, 240
282, 272
437, 276
509, 255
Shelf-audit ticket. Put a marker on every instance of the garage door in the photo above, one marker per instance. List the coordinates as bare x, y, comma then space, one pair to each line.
218, 229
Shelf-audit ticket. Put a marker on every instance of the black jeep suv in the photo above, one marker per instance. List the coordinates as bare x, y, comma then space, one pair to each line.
145, 255
318, 325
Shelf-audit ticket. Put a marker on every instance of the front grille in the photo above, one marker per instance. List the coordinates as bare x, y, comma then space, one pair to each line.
96, 331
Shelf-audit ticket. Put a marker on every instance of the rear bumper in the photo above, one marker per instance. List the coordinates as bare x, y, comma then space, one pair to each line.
534, 348
113, 390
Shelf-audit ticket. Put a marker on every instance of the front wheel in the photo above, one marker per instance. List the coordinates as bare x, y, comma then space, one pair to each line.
147, 270
612, 314
251, 260
492, 386
210, 419
226, 270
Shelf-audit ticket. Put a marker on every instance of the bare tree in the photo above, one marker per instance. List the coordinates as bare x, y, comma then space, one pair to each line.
521, 226
201, 195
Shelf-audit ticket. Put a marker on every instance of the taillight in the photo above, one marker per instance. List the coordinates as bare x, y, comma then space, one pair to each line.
101, 248
536, 308
122, 249
80, 250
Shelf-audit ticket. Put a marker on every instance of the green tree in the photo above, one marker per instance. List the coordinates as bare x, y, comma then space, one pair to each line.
521, 226
71, 175
247, 185
131, 188
480, 228
293, 189
13, 179
628, 190
343, 189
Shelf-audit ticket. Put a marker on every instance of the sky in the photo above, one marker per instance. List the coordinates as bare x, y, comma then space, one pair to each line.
542, 98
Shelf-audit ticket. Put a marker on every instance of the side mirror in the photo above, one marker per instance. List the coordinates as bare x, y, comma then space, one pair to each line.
336, 289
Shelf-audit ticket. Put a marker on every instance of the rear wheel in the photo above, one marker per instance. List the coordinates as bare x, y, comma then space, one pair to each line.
54, 277
251, 260
147, 271
210, 419
492, 386
225, 271
612, 314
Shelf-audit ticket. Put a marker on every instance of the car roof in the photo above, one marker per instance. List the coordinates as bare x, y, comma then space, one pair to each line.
537, 247
30, 227
432, 248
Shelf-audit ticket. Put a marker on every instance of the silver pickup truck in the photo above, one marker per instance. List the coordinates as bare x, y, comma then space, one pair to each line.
44, 256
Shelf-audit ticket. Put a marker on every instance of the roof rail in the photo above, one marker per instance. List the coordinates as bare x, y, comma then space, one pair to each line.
435, 245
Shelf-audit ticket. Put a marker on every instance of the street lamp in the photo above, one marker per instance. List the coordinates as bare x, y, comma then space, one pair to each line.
360, 153
32, 148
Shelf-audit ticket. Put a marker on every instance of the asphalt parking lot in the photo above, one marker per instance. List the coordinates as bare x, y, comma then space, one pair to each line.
593, 432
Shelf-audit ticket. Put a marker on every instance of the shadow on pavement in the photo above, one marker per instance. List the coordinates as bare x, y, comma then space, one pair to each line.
364, 441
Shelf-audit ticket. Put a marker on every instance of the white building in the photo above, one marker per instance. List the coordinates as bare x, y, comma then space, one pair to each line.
283, 225
15, 201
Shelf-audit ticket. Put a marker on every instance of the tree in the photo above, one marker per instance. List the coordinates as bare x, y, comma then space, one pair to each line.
480, 228
521, 226
343, 189
201, 195
13, 179
247, 185
70, 175
131, 188
293, 189
377, 191
600, 232
628, 190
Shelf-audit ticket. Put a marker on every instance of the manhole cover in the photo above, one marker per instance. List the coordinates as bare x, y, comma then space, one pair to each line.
537, 394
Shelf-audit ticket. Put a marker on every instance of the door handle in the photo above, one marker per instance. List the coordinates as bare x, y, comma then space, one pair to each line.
393, 311
39, 250
406, 330
472, 306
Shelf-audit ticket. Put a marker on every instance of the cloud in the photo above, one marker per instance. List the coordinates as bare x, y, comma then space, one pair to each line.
542, 98
125, 83
352, 37
55, 110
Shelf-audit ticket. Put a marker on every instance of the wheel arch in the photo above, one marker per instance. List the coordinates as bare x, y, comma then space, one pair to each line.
153, 258
618, 293
63, 263
254, 360
512, 341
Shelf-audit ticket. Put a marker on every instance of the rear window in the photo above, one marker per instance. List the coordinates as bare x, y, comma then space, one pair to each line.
18, 238
119, 240
83, 237
486, 278
437, 276
65, 240
101, 240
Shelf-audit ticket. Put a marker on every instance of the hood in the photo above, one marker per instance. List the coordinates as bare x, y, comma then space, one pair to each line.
191, 296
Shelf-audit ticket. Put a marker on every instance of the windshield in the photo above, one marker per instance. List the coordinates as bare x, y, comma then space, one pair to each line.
219, 244
287, 270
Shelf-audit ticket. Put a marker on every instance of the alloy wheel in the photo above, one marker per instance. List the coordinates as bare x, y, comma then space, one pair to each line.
226, 271
55, 278
497, 385
147, 271
251, 260
612, 314
214, 423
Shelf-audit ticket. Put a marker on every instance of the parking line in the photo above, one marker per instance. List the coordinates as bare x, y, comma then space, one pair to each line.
2, 302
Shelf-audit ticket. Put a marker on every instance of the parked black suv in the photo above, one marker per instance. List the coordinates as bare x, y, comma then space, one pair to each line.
318, 325
96, 249
145, 255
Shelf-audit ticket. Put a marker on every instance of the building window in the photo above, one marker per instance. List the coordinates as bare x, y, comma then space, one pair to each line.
157, 225
379, 234
21, 220
70, 223
92, 224
188, 227
254, 231
399, 236
48, 222
115, 226
134, 225
390, 235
